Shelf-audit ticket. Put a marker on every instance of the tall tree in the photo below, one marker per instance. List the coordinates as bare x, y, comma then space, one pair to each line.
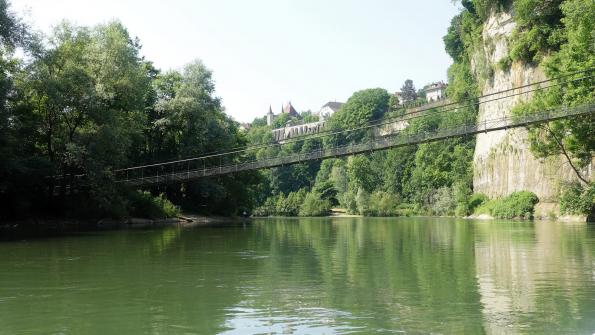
408, 92
88, 91
362, 107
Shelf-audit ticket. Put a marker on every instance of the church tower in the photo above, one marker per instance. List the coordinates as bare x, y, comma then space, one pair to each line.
270, 117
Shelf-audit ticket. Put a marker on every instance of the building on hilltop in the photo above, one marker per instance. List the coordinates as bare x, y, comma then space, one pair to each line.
301, 128
288, 109
323, 114
285, 109
329, 109
435, 91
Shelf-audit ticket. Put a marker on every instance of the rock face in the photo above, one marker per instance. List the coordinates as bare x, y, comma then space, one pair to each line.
502, 161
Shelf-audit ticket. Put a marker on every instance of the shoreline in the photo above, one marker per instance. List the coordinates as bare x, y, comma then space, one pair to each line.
44, 227
52, 227
479, 217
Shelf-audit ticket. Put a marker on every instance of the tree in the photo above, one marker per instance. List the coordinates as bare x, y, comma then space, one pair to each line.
571, 138
360, 174
315, 204
408, 92
20, 172
361, 108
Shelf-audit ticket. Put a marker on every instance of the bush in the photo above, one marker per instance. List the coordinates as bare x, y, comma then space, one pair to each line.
577, 199
517, 205
282, 205
348, 201
362, 201
268, 208
145, 205
505, 63
476, 200
314, 205
383, 204
443, 202
485, 208
406, 209
326, 190
470, 205
462, 209
293, 202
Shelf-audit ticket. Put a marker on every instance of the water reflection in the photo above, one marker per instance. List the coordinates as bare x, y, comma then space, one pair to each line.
536, 277
392, 275
306, 276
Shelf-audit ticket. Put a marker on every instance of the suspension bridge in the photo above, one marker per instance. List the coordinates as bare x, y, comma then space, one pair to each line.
373, 137
194, 168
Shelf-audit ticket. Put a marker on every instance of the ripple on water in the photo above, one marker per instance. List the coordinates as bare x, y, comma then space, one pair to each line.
307, 321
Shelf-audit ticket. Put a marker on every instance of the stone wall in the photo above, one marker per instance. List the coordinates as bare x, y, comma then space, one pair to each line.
285, 133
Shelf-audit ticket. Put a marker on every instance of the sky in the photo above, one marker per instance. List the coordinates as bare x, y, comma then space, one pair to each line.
269, 52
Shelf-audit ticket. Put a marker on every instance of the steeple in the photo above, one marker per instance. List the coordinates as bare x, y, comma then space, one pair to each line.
270, 116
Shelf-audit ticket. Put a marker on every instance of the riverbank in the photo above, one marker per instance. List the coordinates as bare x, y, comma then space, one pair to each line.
543, 211
48, 227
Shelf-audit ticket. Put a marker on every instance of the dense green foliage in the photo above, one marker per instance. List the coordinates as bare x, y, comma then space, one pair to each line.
517, 205
539, 30
315, 205
84, 102
578, 199
568, 27
572, 138
431, 178
555, 35
144, 204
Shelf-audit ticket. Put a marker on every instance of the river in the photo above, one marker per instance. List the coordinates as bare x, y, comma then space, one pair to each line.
305, 276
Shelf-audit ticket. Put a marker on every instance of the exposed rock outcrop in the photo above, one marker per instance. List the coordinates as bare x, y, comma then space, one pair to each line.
503, 162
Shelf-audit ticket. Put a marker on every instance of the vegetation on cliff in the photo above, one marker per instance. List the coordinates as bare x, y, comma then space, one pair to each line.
567, 46
554, 35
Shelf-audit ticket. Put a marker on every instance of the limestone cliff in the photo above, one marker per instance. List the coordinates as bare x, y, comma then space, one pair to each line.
502, 161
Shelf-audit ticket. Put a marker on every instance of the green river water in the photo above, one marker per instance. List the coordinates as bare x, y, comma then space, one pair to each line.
305, 276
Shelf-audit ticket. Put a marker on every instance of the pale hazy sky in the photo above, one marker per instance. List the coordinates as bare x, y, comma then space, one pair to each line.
270, 51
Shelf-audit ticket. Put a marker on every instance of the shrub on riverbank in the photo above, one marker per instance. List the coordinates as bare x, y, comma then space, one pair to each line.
145, 205
383, 204
578, 199
517, 205
282, 205
314, 205
470, 205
